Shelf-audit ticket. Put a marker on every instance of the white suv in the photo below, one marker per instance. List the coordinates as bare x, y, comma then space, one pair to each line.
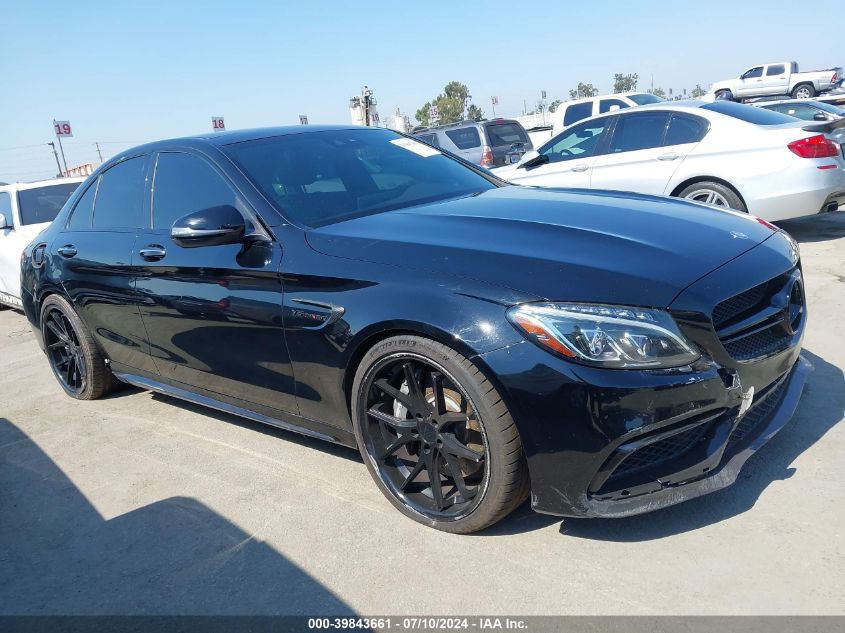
570, 112
26, 209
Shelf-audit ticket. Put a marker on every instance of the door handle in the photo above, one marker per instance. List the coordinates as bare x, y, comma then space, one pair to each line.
68, 250
581, 167
152, 252
669, 156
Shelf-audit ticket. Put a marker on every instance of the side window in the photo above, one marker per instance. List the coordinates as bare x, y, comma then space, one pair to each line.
606, 104
431, 139
184, 184
642, 130
685, 129
799, 111
752, 73
6, 207
120, 196
576, 112
81, 217
776, 69
464, 138
581, 141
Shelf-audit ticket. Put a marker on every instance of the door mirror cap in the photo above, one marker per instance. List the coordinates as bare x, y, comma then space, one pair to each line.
4, 223
819, 116
209, 227
528, 158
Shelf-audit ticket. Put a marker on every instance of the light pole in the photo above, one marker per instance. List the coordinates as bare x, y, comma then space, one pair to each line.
53, 145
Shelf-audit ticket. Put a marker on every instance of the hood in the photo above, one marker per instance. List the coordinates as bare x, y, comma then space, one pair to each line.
572, 245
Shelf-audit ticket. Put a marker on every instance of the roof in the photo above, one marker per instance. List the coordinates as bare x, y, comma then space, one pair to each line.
23, 186
238, 136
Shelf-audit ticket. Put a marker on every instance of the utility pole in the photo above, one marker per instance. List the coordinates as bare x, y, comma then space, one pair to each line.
99, 153
53, 145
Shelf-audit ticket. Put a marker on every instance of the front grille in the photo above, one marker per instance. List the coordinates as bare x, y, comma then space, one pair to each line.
762, 320
758, 414
661, 451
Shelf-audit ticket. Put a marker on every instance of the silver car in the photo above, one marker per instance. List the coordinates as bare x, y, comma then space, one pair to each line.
487, 143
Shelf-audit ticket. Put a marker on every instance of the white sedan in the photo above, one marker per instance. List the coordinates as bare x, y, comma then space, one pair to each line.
723, 153
26, 209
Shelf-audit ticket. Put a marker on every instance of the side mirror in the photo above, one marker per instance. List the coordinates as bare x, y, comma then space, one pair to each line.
819, 116
209, 227
613, 108
529, 158
4, 224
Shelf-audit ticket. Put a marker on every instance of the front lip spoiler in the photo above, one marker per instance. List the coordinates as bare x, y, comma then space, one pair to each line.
715, 480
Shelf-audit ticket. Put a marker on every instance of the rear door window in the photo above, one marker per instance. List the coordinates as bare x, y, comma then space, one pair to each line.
506, 134
43, 204
576, 112
684, 128
799, 111
776, 69
642, 130
120, 195
465, 137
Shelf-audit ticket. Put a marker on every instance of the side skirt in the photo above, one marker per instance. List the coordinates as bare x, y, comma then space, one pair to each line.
328, 433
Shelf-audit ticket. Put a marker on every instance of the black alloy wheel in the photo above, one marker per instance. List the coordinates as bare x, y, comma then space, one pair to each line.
426, 443
76, 360
64, 351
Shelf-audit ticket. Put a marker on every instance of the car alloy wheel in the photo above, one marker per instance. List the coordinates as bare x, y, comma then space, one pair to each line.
708, 196
424, 437
64, 349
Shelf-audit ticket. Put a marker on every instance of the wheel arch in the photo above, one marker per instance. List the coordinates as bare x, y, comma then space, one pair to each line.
696, 179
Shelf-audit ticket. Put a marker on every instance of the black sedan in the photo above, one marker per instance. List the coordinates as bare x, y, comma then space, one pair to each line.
606, 353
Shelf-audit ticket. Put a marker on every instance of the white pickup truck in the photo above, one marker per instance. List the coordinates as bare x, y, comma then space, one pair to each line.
778, 78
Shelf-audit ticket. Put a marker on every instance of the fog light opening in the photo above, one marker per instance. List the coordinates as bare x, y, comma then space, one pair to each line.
625, 493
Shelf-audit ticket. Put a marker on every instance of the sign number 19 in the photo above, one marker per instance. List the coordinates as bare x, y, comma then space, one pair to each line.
62, 128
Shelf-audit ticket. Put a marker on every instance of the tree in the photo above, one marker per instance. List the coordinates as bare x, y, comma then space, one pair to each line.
474, 112
658, 92
625, 83
698, 92
554, 104
583, 90
451, 104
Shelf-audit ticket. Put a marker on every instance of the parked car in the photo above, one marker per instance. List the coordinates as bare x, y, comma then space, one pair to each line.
778, 78
611, 353
570, 112
487, 143
722, 153
25, 210
805, 109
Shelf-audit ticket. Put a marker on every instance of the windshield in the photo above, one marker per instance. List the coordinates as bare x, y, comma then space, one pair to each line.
643, 99
749, 114
318, 178
42, 204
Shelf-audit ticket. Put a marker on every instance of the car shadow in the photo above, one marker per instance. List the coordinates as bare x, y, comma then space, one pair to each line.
60, 556
816, 228
821, 407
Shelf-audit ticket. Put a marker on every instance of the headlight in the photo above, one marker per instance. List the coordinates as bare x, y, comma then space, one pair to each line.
606, 336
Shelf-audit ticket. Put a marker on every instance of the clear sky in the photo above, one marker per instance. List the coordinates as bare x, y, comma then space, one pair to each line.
129, 72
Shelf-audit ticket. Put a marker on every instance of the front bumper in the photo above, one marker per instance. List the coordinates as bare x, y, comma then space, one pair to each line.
611, 443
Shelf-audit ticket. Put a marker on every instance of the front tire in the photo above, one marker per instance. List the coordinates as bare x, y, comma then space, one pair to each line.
803, 91
436, 436
76, 361
724, 95
715, 194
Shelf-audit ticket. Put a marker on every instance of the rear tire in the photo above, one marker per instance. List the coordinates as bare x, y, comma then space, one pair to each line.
419, 406
715, 194
77, 363
803, 91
